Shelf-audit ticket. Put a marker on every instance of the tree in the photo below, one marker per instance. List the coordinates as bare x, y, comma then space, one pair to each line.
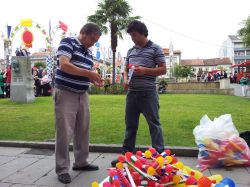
244, 32
115, 13
183, 71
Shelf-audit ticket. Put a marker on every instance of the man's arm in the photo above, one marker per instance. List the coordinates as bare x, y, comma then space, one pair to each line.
67, 67
125, 74
160, 70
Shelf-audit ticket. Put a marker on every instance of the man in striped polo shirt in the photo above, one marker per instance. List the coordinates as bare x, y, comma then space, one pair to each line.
146, 60
72, 79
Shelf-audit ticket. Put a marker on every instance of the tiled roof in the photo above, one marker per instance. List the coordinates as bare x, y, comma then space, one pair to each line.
166, 51
206, 62
192, 62
234, 37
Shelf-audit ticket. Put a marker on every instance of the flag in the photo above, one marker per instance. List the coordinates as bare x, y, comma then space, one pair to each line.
26, 22
8, 31
50, 28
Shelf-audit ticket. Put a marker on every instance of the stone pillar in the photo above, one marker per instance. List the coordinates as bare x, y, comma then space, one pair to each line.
224, 83
21, 89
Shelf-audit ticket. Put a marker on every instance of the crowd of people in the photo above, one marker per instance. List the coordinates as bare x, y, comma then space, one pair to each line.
5, 80
42, 82
212, 76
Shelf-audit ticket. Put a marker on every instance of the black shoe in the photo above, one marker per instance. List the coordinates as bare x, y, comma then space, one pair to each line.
64, 178
89, 167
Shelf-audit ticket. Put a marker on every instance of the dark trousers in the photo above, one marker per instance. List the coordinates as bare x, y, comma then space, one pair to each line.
145, 102
7, 90
2, 95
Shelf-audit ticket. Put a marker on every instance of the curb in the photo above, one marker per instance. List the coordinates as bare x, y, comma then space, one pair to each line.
104, 148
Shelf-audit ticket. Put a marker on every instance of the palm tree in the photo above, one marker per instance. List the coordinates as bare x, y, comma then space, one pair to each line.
244, 32
115, 14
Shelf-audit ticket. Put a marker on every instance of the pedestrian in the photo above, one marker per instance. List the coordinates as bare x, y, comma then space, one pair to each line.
244, 85
72, 79
122, 79
40, 72
148, 61
2, 81
231, 77
7, 76
37, 84
225, 75
107, 83
235, 77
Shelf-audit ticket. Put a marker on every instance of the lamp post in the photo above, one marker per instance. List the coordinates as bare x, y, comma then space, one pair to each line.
104, 62
171, 54
7, 51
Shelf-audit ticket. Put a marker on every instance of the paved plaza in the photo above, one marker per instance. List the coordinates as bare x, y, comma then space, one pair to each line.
25, 167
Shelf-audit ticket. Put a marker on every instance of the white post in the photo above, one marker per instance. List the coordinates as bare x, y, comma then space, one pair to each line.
104, 63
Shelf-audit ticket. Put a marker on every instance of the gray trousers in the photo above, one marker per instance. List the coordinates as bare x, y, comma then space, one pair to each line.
72, 121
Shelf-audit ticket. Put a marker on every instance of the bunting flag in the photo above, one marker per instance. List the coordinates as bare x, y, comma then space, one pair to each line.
50, 28
8, 31
63, 26
26, 22
98, 53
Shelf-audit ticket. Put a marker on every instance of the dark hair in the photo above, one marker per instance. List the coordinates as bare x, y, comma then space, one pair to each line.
90, 28
137, 26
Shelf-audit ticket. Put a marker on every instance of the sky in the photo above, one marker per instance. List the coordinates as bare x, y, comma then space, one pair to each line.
195, 27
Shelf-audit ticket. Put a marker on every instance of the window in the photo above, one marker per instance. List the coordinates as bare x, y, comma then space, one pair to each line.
239, 45
239, 53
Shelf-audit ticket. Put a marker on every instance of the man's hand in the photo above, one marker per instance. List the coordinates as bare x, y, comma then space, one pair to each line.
139, 70
125, 85
99, 84
95, 77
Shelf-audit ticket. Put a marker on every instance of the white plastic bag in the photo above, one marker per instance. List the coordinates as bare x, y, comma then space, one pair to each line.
219, 143
219, 128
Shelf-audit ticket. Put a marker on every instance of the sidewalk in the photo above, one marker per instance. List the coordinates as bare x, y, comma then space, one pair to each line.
25, 167
237, 90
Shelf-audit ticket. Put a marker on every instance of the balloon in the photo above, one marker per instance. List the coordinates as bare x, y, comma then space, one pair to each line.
95, 184
151, 171
148, 154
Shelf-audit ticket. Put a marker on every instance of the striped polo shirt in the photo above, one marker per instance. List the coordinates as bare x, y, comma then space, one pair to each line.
149, 56
80, 57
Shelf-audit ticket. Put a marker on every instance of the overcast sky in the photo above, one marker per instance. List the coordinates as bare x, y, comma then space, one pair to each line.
196, 27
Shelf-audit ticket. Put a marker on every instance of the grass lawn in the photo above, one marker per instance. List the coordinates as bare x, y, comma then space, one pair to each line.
179, 114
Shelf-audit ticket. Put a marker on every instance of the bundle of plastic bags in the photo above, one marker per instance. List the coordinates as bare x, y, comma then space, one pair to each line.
219, 143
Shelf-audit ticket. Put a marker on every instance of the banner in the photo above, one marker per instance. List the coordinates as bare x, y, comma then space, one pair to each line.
8, 31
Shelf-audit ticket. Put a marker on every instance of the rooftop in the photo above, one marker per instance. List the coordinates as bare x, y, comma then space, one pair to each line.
206, 62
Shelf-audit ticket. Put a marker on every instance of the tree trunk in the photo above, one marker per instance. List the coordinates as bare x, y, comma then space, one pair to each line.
114, 30
113, 77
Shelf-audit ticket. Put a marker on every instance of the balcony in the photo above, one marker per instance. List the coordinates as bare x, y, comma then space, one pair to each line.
239, 49
240, 57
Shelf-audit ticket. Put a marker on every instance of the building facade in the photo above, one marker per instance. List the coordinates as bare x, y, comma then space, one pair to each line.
235, 49
172, 60
208, 65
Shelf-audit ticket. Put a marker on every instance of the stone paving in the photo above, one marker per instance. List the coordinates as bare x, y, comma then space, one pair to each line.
237, 90
19, 167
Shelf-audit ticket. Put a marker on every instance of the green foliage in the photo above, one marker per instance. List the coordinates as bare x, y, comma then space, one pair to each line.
244, 32
112, 89
42, 64
183, 71
116, 14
